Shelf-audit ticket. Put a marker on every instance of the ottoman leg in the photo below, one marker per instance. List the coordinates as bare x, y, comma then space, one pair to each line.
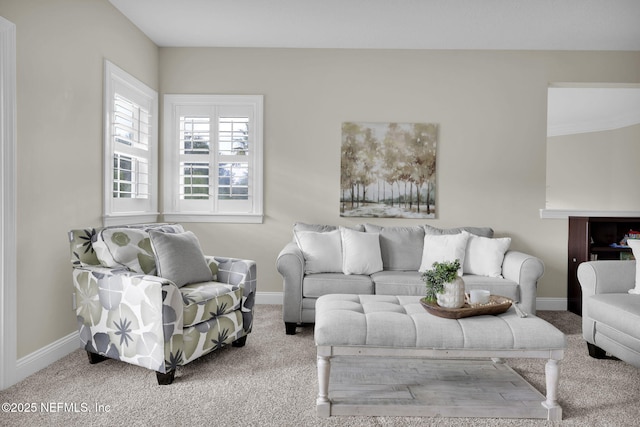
323, 404
552, 375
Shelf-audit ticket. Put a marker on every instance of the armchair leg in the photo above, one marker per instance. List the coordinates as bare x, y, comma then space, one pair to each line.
96, 358
166, 378
290, 328
240, 342
596, 352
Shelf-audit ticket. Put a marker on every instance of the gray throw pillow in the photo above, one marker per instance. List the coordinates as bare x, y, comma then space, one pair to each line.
401, 247
179, 258
322, 228
478, 231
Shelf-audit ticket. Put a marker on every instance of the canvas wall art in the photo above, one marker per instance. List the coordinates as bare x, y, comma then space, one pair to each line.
388, 170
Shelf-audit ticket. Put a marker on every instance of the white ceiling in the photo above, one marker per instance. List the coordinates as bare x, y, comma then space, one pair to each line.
390, 24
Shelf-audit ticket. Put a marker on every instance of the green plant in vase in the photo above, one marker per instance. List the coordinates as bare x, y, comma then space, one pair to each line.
441, 273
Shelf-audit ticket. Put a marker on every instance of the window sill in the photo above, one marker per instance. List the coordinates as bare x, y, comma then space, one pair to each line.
128, 219
222, 218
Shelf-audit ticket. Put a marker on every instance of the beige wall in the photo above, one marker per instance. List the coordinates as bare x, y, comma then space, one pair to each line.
594, 171
491, 108
61, 47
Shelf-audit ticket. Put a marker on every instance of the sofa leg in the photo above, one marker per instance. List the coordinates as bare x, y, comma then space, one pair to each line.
290, 328
596, 352
240, 342
166, 378
96, 358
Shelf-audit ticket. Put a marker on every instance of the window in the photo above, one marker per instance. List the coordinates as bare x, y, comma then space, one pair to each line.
130, 149
213, 158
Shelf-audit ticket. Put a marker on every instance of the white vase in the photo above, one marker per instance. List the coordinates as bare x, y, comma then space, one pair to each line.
452, 296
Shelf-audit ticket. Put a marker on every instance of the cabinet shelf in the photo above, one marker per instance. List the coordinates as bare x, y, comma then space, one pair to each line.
590, 238
609, 249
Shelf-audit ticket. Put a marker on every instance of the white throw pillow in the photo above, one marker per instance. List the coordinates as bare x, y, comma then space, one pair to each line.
484, 256
444, 247
360, 252
322, 251
634, 244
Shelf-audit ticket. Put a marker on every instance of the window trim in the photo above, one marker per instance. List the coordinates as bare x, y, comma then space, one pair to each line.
171, 158
146, 210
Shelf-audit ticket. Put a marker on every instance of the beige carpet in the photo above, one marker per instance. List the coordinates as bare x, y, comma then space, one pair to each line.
272, 382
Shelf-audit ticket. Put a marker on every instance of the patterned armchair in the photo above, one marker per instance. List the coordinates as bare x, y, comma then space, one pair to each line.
126, 311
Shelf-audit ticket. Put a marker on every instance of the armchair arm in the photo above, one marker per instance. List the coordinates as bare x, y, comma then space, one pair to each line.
525, 270
602, 277
129, 316
290, 264
242, 273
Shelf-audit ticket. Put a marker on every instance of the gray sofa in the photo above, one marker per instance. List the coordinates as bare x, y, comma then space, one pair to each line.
610, 315
401, 252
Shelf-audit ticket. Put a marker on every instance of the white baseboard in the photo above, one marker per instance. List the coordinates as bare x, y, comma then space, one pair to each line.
269, 298
45, 356
551, 304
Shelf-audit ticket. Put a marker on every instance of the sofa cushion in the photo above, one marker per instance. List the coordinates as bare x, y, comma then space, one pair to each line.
322, 251
179, 257
398, 283
634, 244
619, 311
484, 255
495, 285
444, 247
204, 301
478, 231
129, 247
624, 346
401, 247
411, 283
360, 252
316, 285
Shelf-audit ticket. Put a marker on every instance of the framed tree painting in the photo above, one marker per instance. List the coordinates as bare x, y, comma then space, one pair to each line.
388, 170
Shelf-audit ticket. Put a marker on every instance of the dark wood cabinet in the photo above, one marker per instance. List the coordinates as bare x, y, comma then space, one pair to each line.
594, 238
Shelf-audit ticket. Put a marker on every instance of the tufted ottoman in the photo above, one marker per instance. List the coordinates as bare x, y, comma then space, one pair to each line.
365, 326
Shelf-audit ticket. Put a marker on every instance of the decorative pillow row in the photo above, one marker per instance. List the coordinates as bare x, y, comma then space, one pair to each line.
165, 250
329, 249
340, 251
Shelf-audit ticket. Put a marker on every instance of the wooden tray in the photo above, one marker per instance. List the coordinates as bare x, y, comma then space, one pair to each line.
497, 304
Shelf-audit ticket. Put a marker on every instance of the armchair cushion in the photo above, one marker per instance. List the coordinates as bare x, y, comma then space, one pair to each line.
206, 300
129, 247
179, 258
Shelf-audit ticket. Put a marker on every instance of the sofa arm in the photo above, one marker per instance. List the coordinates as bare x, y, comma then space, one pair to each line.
525, 270
290, 264
602, 277
243, 273
128, 316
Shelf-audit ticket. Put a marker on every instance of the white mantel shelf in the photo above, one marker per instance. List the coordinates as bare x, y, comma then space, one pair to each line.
564, 214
